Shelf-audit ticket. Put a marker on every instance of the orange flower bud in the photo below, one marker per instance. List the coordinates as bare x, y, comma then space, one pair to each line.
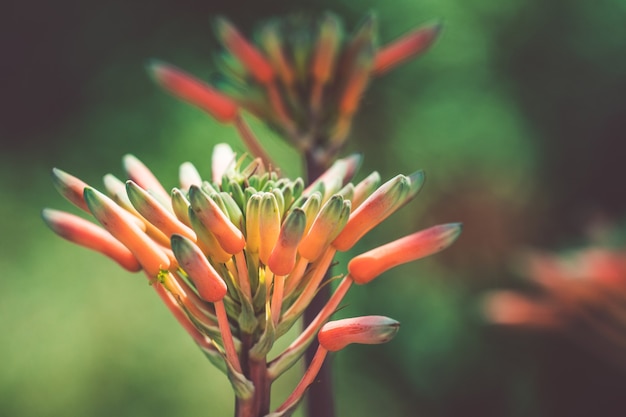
404, 48
208, 282
155, 213
328, 223
84, 233
369, 265
194, 91
367, 330
269, 226
114, 218
283, 257
248, 54
376, 208
208, 212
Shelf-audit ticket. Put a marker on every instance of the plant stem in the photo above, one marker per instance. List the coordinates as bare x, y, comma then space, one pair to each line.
256, 371
320, 399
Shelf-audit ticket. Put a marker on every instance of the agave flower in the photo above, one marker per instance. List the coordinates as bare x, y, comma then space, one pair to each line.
302, 77
239, 257
582, 295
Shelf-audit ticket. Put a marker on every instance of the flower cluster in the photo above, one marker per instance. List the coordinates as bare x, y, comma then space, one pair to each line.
581, 295
237, 259
303, 77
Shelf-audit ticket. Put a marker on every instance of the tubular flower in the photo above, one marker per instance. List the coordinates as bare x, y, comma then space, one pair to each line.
303, 77
581, 295
238, 258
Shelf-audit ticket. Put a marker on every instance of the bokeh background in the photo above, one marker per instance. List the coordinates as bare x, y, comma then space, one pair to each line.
517, 114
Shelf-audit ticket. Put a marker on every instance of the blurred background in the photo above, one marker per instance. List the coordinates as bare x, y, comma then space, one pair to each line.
517, 114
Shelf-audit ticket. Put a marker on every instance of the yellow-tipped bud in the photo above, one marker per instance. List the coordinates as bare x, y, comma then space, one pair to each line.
253, 232
269, 226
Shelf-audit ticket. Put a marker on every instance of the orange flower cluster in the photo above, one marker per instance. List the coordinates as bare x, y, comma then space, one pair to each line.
239, 258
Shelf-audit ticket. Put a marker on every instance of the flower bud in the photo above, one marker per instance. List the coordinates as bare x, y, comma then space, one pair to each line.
512, 309
70, 187
214, 219
367, 330
271, 41
114, 218
188, 175
253, 232
311, 208
84, 233
404, 48
283, 257
269, 226
208, 282
222, 159
369, 265
207, 240
376, 208
248, 54
365, 188
155, 213
328, 223
140, 174
325, 55
180, 205
342, 169
192, 90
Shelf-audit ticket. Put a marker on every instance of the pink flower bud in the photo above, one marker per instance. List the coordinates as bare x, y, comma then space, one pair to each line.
367, 330
140, 174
